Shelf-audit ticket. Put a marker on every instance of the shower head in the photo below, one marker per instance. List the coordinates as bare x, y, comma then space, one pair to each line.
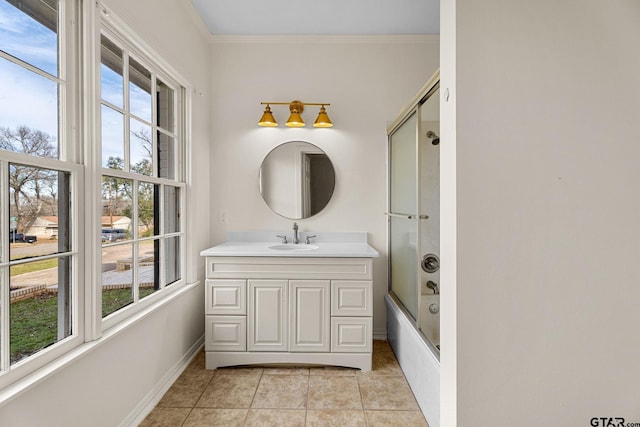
435, 139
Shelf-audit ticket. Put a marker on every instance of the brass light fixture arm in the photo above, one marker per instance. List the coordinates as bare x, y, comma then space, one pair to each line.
326, 104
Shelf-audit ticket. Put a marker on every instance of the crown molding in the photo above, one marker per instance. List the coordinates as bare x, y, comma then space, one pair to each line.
326, 39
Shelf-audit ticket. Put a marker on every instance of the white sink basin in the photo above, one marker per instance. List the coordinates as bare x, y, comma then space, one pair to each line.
293, 247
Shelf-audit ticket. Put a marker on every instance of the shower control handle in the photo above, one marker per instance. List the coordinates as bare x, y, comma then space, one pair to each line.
430, 263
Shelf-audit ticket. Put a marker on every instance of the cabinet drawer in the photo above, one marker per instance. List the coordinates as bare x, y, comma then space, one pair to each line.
351, 335
289, 268
226, 297
351, 298
225, 333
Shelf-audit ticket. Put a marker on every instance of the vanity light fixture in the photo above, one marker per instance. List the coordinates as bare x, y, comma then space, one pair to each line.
295, 119
267, 118
323, 120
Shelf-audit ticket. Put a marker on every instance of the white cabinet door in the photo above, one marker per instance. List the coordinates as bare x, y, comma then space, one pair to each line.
309, 315
267, 329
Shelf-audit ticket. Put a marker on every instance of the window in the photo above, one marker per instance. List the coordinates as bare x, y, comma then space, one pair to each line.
38, 187
141, 187
50, 179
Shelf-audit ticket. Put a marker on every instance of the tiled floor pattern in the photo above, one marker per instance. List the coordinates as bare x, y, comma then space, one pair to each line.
291, 396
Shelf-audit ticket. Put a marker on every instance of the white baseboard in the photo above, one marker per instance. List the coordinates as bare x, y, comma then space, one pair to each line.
146, 405
380, 334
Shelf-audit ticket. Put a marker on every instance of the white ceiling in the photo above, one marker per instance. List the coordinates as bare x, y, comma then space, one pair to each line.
333, 17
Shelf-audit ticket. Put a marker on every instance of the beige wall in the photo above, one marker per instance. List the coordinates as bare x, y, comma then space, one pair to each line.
367, 80
543, 124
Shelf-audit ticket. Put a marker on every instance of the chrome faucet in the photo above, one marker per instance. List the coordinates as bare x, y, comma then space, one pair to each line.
295, 233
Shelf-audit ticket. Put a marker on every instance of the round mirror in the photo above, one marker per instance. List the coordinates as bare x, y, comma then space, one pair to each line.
297, 180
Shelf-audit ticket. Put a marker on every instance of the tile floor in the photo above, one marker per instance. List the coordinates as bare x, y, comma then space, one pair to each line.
290, 396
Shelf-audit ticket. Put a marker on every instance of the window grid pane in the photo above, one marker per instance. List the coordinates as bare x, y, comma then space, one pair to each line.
141, 148
40, 311
148, 214
148, 261
165, 106
111, 72
25, 92
166, 156
29, 30
117, 209
41, 316
38, 202
171, 211
172, 260
112, 139
117, 277
139, 90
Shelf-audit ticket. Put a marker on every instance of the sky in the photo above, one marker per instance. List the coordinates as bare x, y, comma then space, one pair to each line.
26, 97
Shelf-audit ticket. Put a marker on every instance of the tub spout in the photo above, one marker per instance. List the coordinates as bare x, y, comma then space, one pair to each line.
433, 286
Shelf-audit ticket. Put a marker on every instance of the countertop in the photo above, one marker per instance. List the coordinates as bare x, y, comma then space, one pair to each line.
265, 244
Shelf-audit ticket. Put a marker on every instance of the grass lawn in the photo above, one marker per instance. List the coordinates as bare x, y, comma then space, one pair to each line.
34, 325
33, 266
34, 321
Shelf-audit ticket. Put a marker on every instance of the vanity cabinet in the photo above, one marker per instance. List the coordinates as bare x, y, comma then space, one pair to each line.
265, 310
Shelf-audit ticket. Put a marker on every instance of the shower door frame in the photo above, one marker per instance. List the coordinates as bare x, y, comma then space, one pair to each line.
414, 107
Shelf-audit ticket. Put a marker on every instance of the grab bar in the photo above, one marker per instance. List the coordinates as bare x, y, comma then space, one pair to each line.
407, 216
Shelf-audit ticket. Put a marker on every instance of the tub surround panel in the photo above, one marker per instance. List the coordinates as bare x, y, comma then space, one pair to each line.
422, 372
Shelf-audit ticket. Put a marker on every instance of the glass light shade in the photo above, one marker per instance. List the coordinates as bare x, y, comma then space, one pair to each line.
295, 120
323, 120
267, 118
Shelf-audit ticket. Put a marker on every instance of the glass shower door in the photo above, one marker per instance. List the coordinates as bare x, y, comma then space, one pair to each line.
403, 205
